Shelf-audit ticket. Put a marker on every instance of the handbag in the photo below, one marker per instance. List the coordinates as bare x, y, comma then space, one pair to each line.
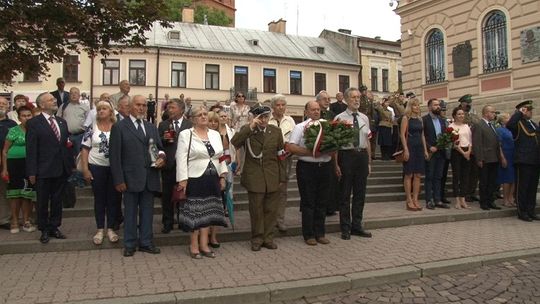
178, 196
399, 155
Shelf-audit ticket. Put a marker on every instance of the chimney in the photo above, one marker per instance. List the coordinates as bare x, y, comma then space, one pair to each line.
188, 15
344, 31
279, 26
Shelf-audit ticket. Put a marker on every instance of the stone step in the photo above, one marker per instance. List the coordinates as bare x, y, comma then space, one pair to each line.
79, 231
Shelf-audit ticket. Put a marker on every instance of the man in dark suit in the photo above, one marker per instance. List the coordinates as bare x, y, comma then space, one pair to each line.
49, 162
487, 148
136, 156
526, 158
434, 125
168, 132
61, 96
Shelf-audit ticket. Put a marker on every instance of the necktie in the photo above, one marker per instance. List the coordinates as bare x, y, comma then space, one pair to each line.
54, 128
176, 126
492, 127
356, 142
139, 127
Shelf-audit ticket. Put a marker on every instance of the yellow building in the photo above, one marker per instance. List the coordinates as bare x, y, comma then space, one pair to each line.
487, 48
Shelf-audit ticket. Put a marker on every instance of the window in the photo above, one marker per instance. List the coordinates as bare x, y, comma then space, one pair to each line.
343, 83
296, 82
111, 71
173, 35
137, 72
385, 80
494, 42
269, 80
400, 81
374, 79
212, 77
435, 57
320, 82
178, 75
241, 79
71, 68
320, 50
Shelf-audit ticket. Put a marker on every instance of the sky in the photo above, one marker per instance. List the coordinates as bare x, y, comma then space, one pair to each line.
368, 18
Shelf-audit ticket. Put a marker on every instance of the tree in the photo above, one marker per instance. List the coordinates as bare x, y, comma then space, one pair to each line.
35, 33
213, 16
174, 9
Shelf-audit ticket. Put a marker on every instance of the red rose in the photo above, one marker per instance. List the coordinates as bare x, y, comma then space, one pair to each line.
449, 130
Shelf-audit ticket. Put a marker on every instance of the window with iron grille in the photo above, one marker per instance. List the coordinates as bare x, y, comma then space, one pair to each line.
494, 42
178, 75
269, 80
435, 57
241, 78
343, 83
374, 79
296, 82
385, 80
320, 82
111, 71
212, 77
71, 68
137, 72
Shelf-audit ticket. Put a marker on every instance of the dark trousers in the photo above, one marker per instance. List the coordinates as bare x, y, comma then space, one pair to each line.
168, 180
313, 181
526, 185
434, 171
49, 202
139, 204
105, 196
354, 173
150, 117
461, 169
488, 183
473, 177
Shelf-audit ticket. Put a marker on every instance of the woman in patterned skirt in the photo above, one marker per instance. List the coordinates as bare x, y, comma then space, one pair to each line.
201, 174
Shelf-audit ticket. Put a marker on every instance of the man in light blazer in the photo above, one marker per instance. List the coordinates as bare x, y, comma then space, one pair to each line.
168, 132
135, 176
487, 149
49, 162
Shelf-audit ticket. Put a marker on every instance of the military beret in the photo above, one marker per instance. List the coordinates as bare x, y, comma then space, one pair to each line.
362, 88
442, 103
410, 95
527, 104
466, 98
260, 110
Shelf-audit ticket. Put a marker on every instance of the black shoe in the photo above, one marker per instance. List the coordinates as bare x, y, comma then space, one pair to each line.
442, 205
484, 207
214, 245
57, 234
166, 229
493, 206
44, 238
345, 236
5, 226
129, 252
444, 200
150, 249
525, 218
534, 217
430, 205
362, 233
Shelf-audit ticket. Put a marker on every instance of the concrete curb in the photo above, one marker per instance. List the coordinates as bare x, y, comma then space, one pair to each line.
282, 291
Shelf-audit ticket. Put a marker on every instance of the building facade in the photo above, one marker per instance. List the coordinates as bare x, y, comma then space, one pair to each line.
487, 48
227, 6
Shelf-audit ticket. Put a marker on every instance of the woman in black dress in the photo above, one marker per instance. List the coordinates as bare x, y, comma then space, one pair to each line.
414, 152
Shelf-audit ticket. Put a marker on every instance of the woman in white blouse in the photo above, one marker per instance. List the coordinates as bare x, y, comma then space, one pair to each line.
201, 174
461, 157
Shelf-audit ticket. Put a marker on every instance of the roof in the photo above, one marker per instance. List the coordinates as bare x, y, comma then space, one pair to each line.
218, 39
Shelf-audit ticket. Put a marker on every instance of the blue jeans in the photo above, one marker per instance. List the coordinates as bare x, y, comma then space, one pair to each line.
434, 172
105, 196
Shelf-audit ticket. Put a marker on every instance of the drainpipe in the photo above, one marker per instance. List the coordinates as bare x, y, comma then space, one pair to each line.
92, 82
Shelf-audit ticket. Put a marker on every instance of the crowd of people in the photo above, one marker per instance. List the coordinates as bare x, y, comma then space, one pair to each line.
191, 157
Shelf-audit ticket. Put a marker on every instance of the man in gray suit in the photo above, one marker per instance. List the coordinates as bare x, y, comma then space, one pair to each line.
136, 155
487, 149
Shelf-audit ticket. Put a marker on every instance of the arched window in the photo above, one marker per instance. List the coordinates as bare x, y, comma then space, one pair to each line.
494, 42
435, 57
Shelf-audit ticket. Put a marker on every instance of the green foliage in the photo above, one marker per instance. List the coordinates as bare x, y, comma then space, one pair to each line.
49, 30
214, 16
174, 9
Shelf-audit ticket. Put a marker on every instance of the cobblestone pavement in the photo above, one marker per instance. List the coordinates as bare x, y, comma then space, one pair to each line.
77, 275
508, 282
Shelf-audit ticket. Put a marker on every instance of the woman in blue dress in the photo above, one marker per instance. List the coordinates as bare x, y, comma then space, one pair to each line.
414, 152
506, 176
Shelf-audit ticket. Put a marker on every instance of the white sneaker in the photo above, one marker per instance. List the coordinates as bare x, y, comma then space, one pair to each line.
28, 227
14, 229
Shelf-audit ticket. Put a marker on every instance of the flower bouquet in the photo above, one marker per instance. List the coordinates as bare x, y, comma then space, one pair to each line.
447, 138
322, 136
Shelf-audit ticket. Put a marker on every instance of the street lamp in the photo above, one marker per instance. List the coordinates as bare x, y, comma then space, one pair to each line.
391, 3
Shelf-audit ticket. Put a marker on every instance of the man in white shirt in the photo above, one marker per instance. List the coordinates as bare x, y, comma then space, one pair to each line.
286, 124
